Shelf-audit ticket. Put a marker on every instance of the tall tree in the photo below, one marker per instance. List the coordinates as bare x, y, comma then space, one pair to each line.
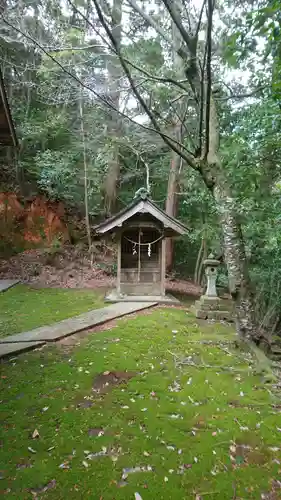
176, 160
114, 125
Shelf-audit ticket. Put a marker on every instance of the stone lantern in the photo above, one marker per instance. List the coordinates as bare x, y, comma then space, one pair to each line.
210, 306
211, 272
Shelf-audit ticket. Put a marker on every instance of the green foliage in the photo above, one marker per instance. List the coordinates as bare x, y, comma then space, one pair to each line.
147, 53
56, 170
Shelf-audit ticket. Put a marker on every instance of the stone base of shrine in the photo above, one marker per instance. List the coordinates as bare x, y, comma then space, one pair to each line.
114, 296
213, 308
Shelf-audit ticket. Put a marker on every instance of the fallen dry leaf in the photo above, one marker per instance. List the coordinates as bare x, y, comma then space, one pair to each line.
43, 489
64, 465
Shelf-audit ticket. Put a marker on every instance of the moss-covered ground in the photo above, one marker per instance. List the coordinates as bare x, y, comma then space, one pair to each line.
23, 308
190, 421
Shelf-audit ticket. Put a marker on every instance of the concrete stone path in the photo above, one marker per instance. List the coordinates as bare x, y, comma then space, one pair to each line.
6, 284
14, 344
17, 348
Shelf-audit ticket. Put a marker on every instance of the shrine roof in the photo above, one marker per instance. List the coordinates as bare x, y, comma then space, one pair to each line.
141, 205
7, 130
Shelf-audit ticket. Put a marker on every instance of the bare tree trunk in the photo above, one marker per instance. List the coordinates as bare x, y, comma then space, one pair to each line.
201, 256
9, 152
114, 128
196, 278
201, 274
235, 258
172, 203
175, 165
85, 163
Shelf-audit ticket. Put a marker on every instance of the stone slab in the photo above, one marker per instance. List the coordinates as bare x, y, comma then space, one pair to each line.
202, 312
66, 327
6, 284
220, 315
208, 305
8, 349
113, 296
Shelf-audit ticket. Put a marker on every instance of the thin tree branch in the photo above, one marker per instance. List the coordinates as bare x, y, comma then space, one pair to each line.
191, 59
187, 14
86, 47
180, 50
209, 72
241, 96
156, 78
190, 41
179, 97
200, 19
202, 100
151, 22
141, 158
180, 119
238, 96
183, 122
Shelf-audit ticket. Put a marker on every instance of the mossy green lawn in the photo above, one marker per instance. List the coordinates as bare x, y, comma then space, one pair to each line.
23, 308
182, 421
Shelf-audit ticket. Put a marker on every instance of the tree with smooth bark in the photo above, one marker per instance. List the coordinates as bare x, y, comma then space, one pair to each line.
176, 160
114, 75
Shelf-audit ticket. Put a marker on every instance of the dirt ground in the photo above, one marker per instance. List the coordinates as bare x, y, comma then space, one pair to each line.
70, 268
67, 268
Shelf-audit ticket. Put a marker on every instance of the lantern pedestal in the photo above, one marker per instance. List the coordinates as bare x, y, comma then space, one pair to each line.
210, 306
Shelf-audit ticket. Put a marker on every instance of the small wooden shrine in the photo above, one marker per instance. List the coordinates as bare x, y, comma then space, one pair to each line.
140, 231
